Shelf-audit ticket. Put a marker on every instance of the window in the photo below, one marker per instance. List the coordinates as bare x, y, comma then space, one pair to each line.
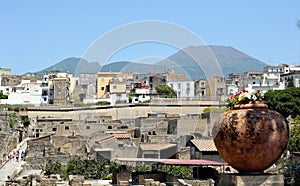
179, 85
88, 127
53, 129
67, 127
102, 88
171, 85
187, 92
109, 127
102, 79
115, 87
193, 151
202, 93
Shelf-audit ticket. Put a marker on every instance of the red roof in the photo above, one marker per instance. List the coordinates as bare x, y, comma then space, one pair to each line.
204, 144
121, 135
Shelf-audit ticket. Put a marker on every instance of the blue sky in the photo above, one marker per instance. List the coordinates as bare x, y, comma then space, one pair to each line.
37, 34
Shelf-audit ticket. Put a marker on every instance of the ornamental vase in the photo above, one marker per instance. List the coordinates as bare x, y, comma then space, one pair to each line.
251, 137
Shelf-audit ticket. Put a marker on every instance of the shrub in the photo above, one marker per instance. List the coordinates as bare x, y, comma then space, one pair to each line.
103, 103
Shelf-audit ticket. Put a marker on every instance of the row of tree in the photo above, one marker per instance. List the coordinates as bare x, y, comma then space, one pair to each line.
90, 169
95, 169
287, 102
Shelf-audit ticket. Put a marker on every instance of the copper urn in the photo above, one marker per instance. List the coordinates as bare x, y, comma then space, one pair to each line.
250, 138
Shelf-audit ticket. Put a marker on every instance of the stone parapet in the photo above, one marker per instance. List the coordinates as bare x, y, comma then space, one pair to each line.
251, 180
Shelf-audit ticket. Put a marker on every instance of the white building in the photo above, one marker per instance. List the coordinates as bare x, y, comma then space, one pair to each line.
57, 87
141, 95
264, 81
291, 79
184, 89
28, 92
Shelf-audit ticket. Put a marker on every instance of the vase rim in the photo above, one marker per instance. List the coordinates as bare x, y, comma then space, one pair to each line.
251, 104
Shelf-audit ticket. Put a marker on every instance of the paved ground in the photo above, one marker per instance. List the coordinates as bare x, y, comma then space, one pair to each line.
12, 166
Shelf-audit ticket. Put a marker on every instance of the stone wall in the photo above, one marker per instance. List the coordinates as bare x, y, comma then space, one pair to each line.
8, 142
209, 182
251, 180
120, 112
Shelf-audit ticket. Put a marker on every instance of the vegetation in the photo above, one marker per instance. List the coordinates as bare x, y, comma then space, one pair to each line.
292, 173
95, 169
177, 171
11, 122
103, 103
25, 121
121, 102
90, 169
286, 102
215, 109
53, 168
165, 91
244, 96
291, 167
130, 99
3, 96
294, 139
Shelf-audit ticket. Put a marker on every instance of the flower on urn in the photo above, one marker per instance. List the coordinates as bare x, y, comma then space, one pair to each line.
243, 97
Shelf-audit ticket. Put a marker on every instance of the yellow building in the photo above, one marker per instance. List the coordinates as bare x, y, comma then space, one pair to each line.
117, 85
103, 83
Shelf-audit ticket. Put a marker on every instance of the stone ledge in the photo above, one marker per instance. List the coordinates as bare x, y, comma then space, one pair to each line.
251, 180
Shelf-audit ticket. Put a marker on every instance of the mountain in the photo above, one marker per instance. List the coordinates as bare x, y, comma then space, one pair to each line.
125, 66
193, 60
72, 65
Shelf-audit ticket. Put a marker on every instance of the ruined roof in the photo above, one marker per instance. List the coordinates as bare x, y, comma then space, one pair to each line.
205, 144
104, 138
121, 135
190, 162
156, 146
173, 161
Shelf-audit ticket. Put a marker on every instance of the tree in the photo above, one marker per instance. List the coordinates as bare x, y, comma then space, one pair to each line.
165, 90
292, 166
25, 121
286, 102
53, 168
294, 139
290, 83
75, 167
3, 96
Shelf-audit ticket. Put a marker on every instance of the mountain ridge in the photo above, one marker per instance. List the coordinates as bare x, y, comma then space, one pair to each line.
230, 60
